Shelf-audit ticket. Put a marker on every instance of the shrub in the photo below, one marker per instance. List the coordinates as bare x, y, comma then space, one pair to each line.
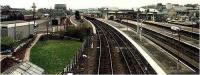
8, 41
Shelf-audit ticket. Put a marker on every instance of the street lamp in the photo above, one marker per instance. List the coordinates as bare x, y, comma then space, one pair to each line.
177, 29
141, 29
164, 21
49, 21
147, 10
106, 13
193, 23
137, 21
34, 16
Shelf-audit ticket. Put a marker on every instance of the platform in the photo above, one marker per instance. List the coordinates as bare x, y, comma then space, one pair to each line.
187, 40
185, 23
93, 27
158, 58
184, 28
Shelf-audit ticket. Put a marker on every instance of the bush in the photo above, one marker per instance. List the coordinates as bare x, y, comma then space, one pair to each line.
31, 36
8, 41
82, 31
71, 30
43, 38
77, 32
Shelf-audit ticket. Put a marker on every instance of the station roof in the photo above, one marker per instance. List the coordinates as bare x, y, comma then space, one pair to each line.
181, 8
25, 68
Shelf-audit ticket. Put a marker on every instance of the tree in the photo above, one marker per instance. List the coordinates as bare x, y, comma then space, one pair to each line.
77, 15
172, 13
159, 7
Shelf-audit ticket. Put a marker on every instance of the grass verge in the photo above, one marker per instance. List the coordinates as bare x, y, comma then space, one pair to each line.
53, 55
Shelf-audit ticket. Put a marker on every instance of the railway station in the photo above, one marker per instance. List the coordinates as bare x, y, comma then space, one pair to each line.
104, 37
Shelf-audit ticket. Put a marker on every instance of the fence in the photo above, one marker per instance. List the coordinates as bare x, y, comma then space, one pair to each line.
77, 57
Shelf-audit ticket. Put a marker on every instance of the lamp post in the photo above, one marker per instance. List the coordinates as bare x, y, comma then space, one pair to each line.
193, 23
127, 25
106, 13
147, 10
177, 29
141, 29
163, 20
141, 32
49, 21
137, 21
34, 16
15, 33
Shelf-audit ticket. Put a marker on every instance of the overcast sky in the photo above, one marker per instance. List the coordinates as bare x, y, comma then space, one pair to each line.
80, 4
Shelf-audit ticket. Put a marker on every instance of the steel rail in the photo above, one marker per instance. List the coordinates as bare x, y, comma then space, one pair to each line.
109, 50
128, 48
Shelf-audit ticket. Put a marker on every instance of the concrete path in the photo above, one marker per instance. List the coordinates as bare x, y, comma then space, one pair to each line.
73, 21
27, 54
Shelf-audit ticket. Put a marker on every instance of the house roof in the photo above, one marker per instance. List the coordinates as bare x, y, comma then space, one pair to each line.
25, 68
17, 22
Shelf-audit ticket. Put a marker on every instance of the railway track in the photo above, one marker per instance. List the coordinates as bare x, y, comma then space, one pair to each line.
173, 46
105, 56
133, 60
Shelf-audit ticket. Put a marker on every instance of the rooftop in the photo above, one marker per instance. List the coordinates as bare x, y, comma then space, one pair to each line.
25, 68
12, 23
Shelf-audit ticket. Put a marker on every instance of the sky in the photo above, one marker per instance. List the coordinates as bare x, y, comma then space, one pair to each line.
82, 4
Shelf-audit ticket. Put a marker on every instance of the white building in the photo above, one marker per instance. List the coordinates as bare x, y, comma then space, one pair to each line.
17, 30
168, 5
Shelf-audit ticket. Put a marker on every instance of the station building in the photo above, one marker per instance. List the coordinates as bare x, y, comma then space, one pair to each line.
8, 13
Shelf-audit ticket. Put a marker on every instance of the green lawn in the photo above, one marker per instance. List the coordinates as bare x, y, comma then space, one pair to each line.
53, 55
